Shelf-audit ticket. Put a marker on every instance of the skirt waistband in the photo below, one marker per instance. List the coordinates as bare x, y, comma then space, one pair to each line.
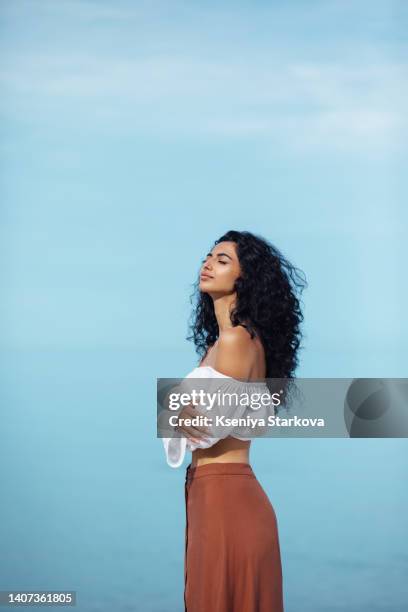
217, 468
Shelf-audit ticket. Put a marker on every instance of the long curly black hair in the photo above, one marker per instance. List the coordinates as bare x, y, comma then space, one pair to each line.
268, 304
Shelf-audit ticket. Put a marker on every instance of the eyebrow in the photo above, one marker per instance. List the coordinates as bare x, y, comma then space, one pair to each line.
219, 255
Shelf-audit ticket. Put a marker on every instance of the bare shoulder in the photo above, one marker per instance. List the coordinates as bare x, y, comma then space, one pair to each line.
235, 336
234, 352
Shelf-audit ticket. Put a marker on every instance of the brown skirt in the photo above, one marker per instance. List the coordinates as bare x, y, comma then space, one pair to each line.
232, 556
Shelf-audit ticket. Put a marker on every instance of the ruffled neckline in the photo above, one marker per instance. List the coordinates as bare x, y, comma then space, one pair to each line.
213, 369
221, 375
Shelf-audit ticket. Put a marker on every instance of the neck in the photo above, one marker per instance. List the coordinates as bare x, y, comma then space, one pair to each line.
222, 308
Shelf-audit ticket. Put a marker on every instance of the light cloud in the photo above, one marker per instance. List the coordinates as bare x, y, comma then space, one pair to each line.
355, 103
300, 105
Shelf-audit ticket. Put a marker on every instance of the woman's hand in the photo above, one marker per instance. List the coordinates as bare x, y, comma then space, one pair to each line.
195, 433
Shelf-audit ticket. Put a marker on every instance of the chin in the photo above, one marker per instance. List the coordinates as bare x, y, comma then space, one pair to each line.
206, 285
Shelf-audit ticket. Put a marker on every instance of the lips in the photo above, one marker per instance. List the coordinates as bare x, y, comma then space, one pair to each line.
204, 275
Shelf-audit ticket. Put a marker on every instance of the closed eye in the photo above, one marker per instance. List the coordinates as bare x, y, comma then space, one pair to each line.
224, 263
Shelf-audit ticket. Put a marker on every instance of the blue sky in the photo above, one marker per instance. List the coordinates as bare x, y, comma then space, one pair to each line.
135, 133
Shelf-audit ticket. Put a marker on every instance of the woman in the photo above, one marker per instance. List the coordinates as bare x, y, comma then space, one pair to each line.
246, 326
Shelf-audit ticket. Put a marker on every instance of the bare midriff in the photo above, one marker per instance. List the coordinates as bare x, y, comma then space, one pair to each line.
227, 450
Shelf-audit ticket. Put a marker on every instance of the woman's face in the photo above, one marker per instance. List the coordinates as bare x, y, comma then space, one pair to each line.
220, 269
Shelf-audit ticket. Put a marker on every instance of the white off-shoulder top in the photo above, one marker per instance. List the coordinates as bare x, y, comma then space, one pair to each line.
175, 448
